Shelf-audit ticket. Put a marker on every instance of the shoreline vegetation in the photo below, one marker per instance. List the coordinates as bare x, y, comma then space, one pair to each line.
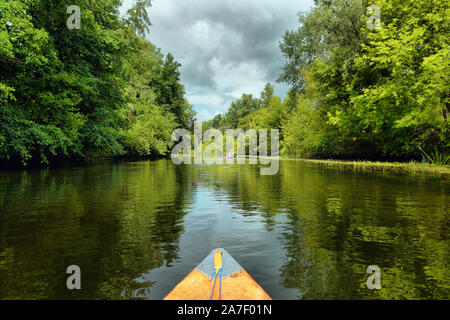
412, 167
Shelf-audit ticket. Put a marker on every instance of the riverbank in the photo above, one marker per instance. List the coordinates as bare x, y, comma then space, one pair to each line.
413, 168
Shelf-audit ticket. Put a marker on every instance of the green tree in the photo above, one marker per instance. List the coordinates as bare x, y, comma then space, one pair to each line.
146, 127
239, 109
102, 90
331, 24
266, 95
374, 93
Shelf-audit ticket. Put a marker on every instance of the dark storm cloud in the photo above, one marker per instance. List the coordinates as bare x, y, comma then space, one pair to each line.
248, 33
226, 47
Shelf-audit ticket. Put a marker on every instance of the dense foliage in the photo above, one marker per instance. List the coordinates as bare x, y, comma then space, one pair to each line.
361, 92
102, 90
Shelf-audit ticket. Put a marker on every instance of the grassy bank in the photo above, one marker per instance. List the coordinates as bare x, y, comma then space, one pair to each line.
382, 167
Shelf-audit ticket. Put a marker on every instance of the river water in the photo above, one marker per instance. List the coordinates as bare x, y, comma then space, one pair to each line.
136, 229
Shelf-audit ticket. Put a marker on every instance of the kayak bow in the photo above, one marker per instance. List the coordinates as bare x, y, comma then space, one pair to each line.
218, 277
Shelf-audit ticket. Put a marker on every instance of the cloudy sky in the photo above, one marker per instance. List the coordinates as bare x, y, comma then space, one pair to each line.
226, 47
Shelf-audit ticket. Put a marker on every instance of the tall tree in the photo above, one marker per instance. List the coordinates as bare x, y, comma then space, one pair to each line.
170, 92
266, 95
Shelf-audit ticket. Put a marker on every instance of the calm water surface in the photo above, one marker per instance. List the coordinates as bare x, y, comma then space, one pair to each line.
137, 228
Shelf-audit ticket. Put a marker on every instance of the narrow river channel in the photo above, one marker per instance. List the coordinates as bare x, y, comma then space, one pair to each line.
136, 229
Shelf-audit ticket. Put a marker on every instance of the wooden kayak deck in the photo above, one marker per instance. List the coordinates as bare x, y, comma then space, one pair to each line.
234, 283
